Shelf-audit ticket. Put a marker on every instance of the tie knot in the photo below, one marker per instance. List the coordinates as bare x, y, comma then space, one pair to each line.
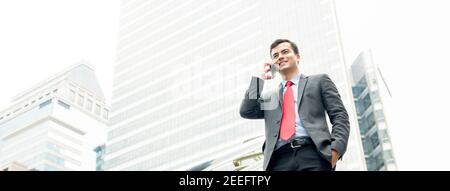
289, 84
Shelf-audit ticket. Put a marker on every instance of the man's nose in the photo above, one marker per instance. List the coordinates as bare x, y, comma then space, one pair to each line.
281, 58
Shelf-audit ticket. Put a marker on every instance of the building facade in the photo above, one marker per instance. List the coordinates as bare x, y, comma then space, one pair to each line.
15, 166
368, 91
100, 157
182, 69
56, 125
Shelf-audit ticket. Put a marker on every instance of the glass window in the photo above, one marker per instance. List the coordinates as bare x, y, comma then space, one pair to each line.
100, 150
363, 126
46, 167
65, 105
362, 84
72, 95
55, 159
105, 113
371, 164
89, 104
379, 161
97, 109
368, 147
359, 107
80, 100
374, 140
18, 109
357, 90
53, 147
370, 120
45, 103
366, 101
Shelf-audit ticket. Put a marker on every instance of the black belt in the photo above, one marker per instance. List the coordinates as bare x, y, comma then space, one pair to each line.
295, 143
300, 142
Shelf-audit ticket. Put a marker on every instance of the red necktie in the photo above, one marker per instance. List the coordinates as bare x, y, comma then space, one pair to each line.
287, 126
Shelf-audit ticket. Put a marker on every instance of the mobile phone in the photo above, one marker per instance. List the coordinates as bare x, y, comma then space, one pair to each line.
273, 69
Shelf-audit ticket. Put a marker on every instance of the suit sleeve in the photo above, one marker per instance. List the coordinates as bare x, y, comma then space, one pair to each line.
337, 113
250, 106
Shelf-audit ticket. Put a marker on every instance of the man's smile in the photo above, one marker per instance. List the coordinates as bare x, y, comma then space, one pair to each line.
282, 63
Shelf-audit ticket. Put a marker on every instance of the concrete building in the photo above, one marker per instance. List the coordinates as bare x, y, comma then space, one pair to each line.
15, 166
56, 124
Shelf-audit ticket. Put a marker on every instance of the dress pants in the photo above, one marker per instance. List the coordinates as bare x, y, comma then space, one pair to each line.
305, 158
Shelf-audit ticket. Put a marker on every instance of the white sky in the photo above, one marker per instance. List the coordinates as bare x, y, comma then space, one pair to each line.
38, 39
409, 40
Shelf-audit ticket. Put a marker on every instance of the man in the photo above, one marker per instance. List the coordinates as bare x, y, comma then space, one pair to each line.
296, 132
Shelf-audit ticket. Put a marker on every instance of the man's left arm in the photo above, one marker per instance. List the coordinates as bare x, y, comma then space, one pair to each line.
338, 117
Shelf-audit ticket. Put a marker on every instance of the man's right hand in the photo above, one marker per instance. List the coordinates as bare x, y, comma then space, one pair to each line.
267, 74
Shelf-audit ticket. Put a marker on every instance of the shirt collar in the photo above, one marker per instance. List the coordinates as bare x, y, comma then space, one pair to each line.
294, 80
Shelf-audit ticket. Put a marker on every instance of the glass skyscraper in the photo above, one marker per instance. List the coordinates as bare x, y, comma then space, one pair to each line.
368, 88
183, 67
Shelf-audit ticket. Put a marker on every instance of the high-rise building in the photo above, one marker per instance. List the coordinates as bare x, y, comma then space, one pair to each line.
57, 124
100, 157
183, 67
369, 89
14, 166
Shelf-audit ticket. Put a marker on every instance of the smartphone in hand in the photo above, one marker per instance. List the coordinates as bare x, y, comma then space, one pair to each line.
270, 71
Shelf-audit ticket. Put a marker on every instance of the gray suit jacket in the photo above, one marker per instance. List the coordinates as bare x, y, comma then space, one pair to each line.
317, 94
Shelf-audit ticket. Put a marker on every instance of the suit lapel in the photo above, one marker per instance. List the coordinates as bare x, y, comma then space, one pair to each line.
280, 94
301, 88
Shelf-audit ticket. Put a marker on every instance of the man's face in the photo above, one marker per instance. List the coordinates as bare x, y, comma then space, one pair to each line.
284, 57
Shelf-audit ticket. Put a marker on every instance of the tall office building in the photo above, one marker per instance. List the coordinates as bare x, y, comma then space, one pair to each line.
100, 156
183, 67
369, 89
15, 166
55, 125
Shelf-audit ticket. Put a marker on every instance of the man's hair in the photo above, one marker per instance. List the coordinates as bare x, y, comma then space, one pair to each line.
279, 41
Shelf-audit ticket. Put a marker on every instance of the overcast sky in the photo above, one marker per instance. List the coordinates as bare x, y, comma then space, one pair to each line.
41, 38
409, 39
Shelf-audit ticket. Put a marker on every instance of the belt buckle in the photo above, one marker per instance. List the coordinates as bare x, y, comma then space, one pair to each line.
295, 146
